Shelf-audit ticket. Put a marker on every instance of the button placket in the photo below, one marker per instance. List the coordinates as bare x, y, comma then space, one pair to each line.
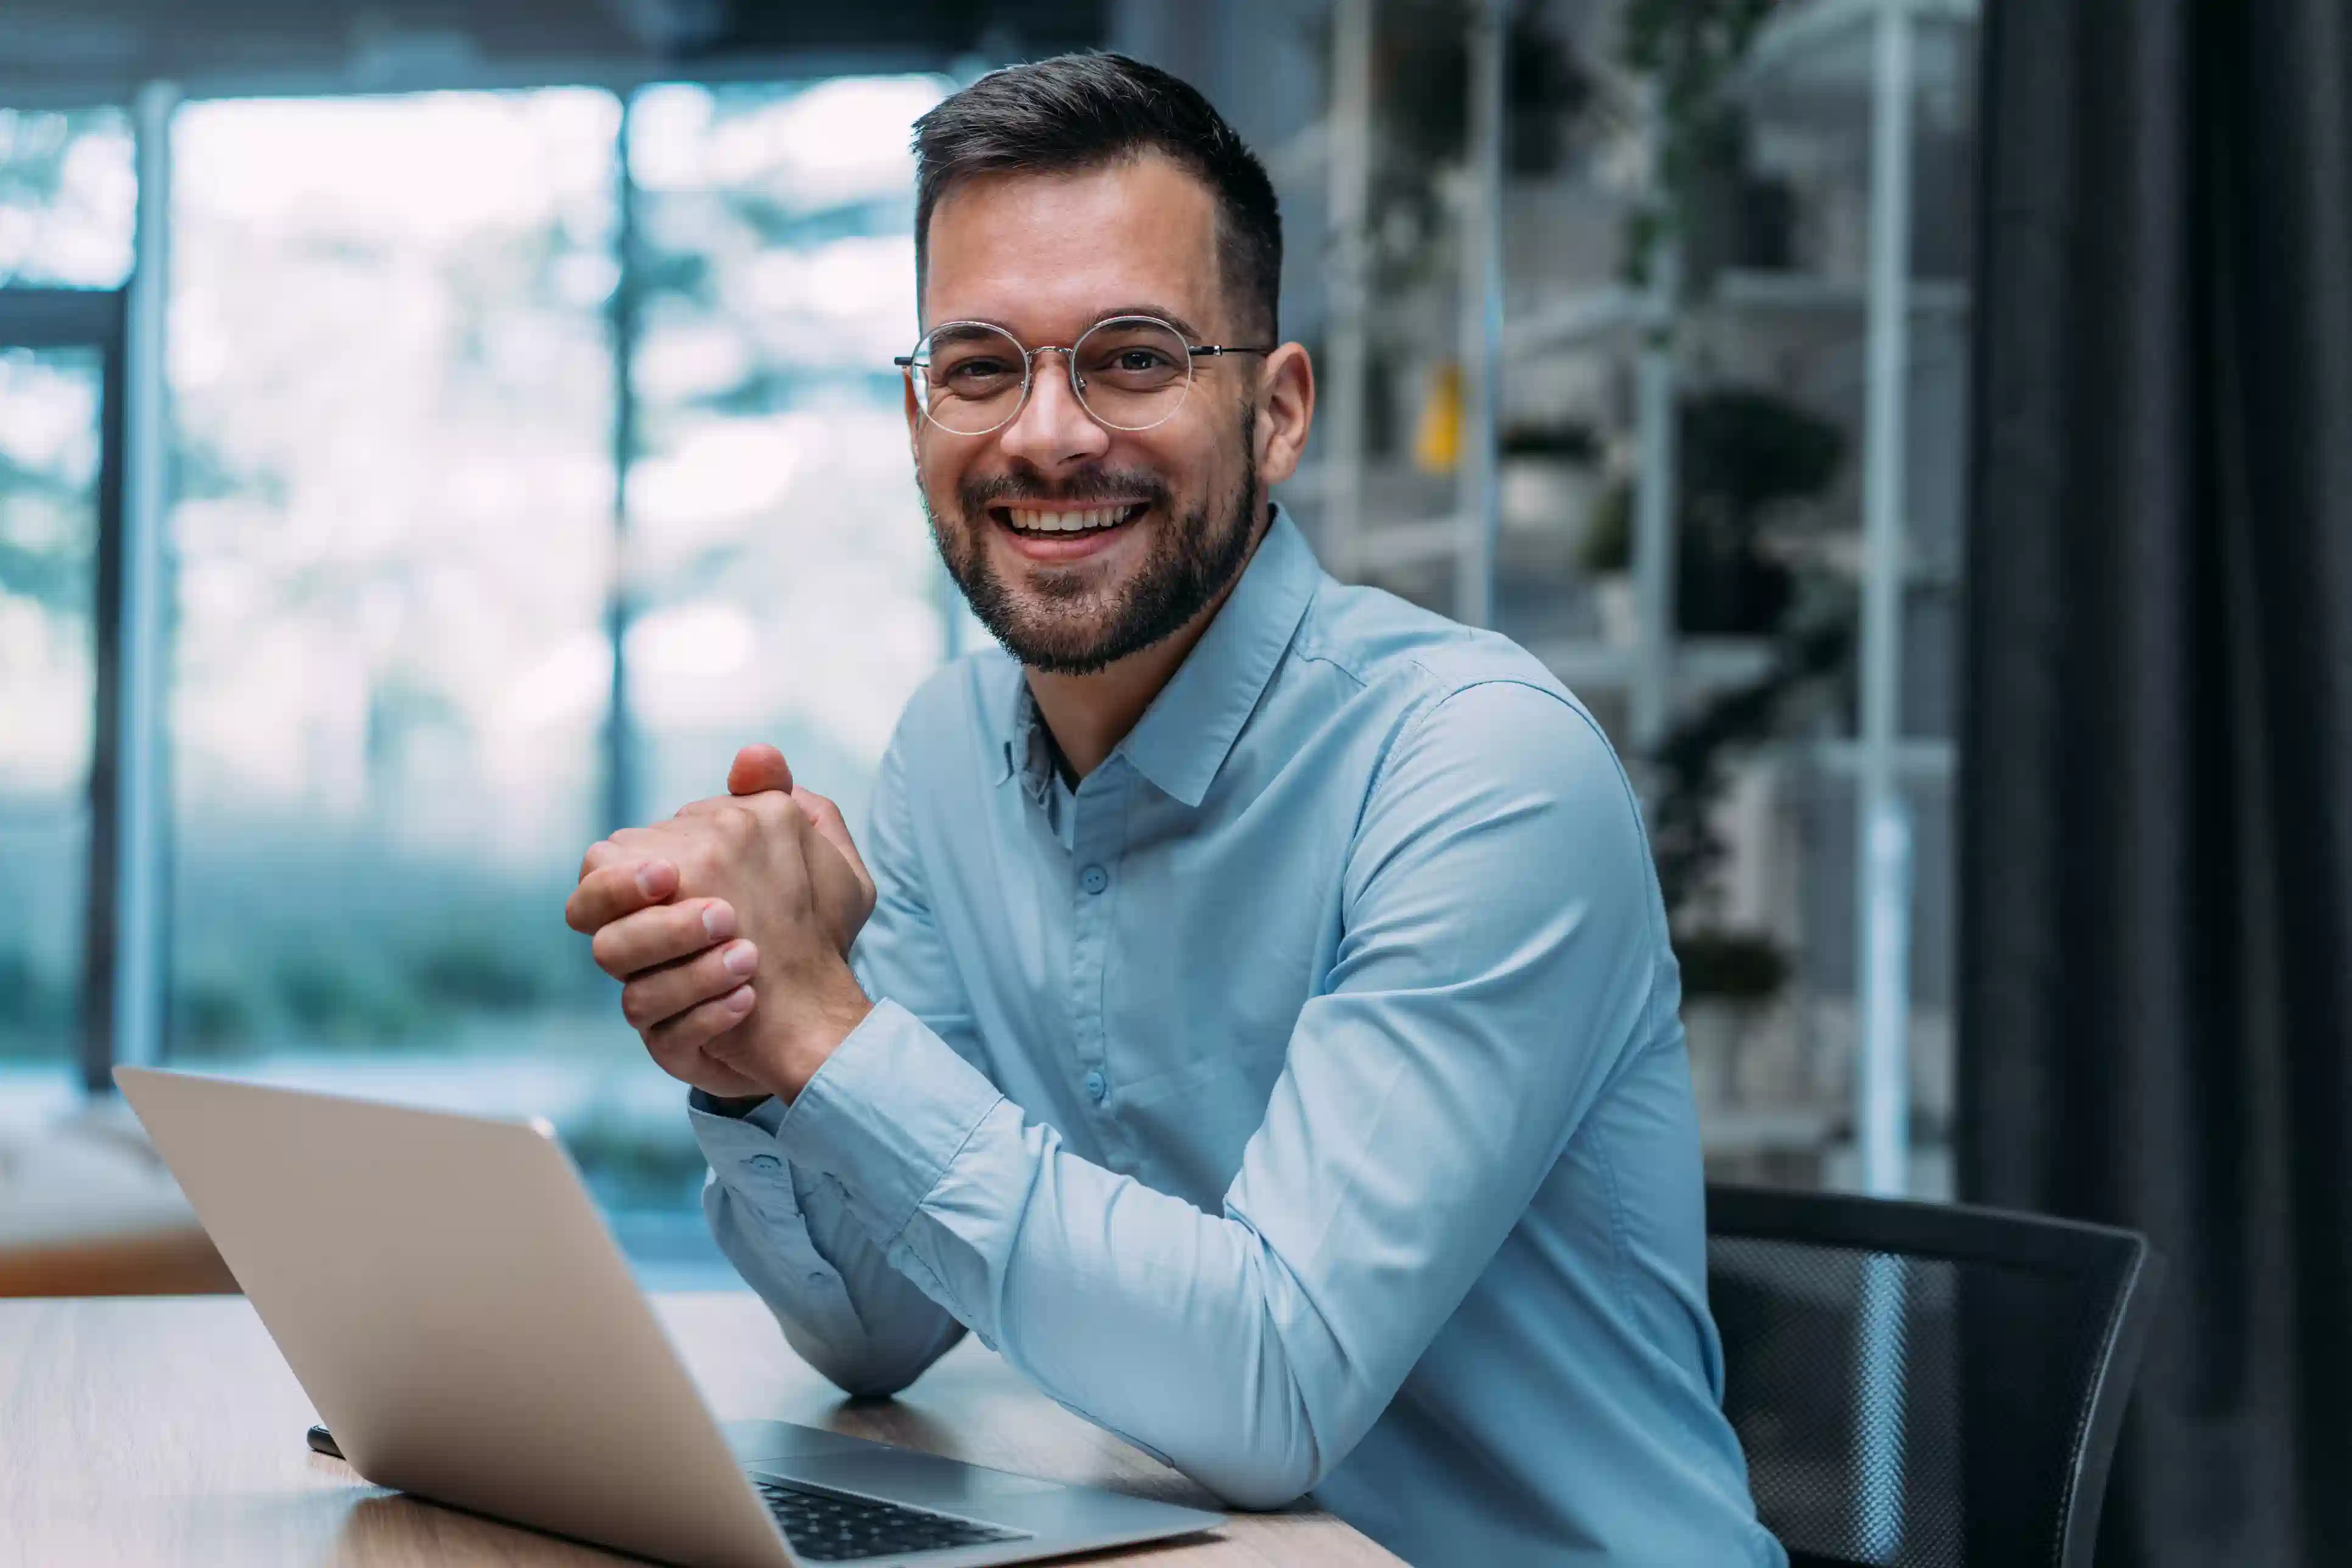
1099, 823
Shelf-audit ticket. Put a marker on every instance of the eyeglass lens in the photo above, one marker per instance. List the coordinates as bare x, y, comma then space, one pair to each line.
1131, 373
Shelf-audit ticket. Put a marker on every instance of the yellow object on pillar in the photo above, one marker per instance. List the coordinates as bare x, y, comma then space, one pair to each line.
1437, 435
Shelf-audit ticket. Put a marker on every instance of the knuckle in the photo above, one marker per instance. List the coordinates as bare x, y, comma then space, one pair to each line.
700, 861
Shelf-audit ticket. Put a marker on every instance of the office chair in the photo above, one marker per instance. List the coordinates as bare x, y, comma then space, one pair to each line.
1924, 1385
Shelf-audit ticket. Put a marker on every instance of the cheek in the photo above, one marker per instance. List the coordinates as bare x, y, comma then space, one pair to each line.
1192, 461
937, 474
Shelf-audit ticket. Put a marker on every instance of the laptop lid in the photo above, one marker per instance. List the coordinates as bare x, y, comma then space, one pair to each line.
454, 1305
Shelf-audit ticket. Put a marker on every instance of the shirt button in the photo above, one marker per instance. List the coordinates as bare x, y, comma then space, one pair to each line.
1097, 1086
766, 1162
1093, 879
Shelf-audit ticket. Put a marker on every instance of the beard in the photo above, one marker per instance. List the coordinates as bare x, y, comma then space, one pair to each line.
1065, 625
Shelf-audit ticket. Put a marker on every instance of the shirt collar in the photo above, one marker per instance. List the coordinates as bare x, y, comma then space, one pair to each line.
1183, 738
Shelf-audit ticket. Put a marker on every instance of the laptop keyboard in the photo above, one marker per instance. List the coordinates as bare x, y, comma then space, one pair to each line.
824, 1527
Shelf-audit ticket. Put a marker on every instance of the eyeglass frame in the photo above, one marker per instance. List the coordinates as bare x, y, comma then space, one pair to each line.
1069, 353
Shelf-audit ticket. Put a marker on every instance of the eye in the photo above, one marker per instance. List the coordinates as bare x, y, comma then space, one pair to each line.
978, 371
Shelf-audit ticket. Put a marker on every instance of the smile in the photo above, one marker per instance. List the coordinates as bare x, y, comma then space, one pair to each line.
1079, 520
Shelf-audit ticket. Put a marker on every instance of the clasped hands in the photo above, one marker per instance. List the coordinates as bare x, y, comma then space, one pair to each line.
728, 927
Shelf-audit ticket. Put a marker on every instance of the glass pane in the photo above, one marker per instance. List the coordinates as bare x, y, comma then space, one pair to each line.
68, 191
49, 405
393, 381
786, 582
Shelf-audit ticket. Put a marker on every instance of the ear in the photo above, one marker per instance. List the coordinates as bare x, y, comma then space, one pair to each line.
1286, 411
914, 416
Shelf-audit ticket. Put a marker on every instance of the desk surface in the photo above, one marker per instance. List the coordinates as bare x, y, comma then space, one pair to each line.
168, 1430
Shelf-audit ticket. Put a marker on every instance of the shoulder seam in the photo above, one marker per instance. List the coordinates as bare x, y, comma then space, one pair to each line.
1420, 714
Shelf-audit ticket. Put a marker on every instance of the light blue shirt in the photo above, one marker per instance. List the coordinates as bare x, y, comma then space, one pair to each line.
1300, 1098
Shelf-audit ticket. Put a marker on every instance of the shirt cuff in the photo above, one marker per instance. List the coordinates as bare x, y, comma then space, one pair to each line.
742, 1153
885, 1116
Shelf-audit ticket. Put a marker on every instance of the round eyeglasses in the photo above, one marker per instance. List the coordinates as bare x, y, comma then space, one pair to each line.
1128, 373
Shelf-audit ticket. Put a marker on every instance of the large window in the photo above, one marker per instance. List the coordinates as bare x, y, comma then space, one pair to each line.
785, 584
420, 348
391, 390
49, 403
66, 192
65, 202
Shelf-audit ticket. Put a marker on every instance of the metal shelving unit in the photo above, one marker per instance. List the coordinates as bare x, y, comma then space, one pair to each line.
1881, 759
1856, 55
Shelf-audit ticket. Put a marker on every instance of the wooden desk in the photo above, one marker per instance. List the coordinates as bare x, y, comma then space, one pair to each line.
168, 1430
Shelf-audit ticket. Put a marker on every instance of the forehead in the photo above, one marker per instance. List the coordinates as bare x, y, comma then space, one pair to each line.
1048, 255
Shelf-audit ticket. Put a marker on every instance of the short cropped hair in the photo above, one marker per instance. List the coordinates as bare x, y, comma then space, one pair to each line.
1083, 111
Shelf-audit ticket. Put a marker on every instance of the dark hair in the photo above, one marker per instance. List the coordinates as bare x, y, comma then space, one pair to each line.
1081, 111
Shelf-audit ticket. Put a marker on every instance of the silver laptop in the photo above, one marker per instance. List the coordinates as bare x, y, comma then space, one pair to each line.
455, 1308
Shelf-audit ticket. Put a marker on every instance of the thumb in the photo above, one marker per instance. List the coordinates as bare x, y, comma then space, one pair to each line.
825, 817
758, 768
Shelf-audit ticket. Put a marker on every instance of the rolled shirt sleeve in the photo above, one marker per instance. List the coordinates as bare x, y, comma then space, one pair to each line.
1495, 967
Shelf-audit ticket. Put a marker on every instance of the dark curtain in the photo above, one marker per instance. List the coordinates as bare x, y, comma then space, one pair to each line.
2156, 794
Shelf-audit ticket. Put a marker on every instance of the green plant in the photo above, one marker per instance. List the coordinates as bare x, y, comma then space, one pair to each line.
1570, 443
1688, 48
334, 999
632, 1163
1744, 968
1607, 544
1692, 765
478, 974
1552, 99
1740, 453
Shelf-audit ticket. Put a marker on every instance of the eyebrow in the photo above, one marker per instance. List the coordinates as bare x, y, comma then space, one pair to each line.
1191, 333
964, 331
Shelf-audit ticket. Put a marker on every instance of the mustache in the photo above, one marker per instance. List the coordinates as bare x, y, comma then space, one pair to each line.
976, 495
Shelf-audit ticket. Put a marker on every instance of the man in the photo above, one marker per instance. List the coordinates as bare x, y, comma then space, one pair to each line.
1265, 1032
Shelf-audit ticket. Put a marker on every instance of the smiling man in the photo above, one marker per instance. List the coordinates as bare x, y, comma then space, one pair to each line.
1265, 1032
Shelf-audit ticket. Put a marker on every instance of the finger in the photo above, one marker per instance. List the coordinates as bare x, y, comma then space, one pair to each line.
658, 995
601, 854
629, 947
825, 817
757, 768
675, 1039
606, 894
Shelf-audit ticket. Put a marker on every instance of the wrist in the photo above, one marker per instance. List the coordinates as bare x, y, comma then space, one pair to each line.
797, 1041
827, 1029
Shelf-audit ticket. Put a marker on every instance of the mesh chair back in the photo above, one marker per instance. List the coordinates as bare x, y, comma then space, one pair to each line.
1924, 1386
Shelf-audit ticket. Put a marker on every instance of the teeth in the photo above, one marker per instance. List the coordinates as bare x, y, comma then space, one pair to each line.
1034, 522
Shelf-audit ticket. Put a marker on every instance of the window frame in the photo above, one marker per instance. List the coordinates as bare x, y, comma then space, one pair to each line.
53, 318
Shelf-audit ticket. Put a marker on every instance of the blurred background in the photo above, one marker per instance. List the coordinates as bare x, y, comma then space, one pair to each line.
430, 435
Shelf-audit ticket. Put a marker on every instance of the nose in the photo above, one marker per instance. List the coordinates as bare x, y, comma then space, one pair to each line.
1053, 431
